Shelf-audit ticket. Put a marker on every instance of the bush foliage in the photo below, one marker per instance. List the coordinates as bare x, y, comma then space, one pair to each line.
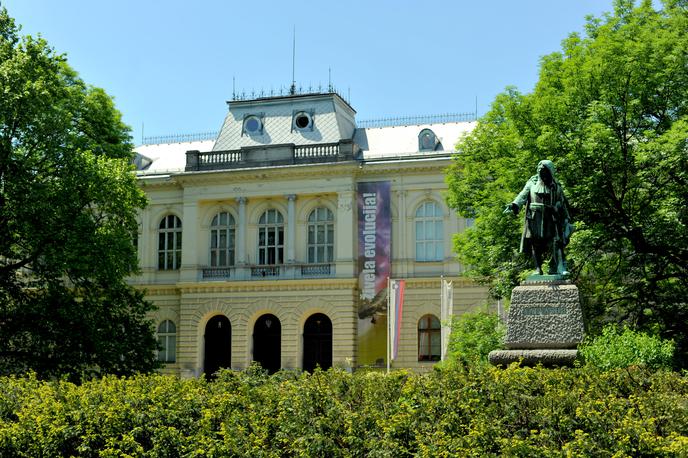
474, 336
615, 349
479, 412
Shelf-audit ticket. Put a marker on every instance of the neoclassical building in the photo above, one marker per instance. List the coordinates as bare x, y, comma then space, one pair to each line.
273, 242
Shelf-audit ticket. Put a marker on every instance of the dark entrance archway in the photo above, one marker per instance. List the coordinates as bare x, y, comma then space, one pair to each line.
267, 343
218, 345
317, 342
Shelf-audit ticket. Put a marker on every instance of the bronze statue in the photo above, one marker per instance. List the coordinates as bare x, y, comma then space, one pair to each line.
547, 225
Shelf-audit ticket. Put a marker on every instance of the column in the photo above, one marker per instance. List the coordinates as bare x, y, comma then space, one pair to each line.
241, 232
291, 228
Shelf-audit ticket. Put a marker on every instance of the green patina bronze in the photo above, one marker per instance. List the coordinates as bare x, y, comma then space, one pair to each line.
547, 226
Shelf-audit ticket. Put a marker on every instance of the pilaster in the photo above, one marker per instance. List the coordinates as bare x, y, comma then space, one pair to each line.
190, 237
345, 233
291, 228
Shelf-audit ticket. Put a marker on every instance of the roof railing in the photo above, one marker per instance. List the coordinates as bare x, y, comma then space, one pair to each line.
180, 138
368, 123
415, 120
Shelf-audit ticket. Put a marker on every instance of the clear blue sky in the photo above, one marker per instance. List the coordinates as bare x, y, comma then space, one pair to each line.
169, 64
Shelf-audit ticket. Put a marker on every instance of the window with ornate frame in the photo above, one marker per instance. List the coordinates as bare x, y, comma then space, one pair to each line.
253, 124
167, 341
429, 338
429, 232
271, 238
320, 236
170, 243
222, 240
302, 121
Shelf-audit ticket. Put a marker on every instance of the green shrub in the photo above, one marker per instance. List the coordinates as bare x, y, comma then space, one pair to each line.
473, 336
475, 411
619, 349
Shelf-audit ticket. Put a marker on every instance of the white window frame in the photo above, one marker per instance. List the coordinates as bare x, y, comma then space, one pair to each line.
320, 236
170, 243
222, 240
429, 227
271, 223
167, 340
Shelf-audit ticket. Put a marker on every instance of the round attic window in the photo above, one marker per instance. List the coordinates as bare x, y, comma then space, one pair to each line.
253, 124
303, 120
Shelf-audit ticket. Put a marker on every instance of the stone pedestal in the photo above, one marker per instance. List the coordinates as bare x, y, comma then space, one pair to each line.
544, 325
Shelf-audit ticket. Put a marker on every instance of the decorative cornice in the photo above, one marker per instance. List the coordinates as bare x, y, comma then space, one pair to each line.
311, 284
434, 282
351, 169
157, 290
253, 286
264, 173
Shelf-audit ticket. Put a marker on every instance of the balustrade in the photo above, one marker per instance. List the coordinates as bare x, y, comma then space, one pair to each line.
259, 272
301, 154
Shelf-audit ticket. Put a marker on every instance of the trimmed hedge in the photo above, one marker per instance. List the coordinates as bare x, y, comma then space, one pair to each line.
479, 412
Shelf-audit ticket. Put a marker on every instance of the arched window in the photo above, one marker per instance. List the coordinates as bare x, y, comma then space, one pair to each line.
222, 240
167, 341
429, 232
429, 338
170, 243
317, 342
218, 345
427, 140
271, 238
320, 236
267, 343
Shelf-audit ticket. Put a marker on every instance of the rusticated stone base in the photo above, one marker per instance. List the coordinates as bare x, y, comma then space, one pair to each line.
544, 325
533, 357
544, 316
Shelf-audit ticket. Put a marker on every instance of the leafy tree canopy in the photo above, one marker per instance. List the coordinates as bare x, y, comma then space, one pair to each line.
611, 110
68, 202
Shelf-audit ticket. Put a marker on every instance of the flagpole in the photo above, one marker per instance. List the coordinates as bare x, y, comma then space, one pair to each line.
442, 318
389, 324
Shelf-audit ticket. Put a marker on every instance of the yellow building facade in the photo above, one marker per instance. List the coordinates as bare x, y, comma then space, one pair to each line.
252, 245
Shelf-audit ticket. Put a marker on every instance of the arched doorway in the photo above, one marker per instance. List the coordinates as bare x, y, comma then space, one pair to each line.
267, 343
317, 342
218, 345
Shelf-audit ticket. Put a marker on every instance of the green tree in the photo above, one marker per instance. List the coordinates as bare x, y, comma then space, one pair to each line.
68, 202
610, 109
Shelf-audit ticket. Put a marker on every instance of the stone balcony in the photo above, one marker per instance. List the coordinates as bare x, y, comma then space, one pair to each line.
272, 155
261, 272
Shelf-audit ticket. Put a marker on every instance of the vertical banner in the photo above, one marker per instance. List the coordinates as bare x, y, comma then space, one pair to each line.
395, 311
447, 311
374, 245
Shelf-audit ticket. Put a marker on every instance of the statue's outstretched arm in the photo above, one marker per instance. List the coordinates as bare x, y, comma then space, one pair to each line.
520, 200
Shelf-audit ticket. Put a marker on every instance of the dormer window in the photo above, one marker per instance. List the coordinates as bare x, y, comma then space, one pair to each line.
427, 140
302, 121
253, 125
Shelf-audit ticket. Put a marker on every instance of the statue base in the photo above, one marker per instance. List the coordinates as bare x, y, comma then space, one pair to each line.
545, 322
546, 279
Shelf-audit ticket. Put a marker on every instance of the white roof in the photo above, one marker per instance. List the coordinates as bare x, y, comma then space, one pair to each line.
375, 142
169, 157
399, 141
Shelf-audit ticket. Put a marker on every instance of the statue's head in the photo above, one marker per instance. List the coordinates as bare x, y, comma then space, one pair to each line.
545, 170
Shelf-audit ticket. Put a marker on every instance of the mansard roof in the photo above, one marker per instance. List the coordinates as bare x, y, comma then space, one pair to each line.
264, 132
